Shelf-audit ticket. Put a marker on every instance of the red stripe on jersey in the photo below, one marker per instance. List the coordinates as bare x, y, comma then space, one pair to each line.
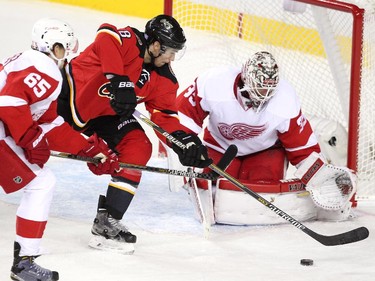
30, 229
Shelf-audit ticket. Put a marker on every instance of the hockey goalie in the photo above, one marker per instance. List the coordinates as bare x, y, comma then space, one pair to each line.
254, 108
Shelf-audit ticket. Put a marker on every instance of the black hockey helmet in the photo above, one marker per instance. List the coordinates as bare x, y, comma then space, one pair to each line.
167, 31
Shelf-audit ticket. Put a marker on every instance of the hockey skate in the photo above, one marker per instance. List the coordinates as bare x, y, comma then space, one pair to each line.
110, 234
25, 268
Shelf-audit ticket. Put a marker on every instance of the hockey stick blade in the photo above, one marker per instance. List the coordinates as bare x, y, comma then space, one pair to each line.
352, 236
159, 170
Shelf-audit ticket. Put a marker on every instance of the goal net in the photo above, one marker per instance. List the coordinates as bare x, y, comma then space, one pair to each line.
326, 49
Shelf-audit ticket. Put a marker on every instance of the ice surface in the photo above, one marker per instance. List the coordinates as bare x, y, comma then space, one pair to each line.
171, 245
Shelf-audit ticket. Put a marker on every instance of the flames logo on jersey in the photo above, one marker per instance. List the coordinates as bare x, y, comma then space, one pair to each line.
103, 90
105, 93
240, 131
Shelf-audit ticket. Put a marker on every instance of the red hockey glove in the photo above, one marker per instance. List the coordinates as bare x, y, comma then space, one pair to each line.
99, 149
35, 146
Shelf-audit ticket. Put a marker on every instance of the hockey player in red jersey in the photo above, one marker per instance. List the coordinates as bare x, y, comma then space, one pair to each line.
120, 69
30, 83
260, 113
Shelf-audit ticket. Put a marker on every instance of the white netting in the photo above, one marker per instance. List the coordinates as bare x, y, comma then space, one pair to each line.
313, 46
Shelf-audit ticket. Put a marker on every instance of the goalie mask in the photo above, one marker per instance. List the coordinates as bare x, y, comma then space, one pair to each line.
48, 31
168, 32
259, 77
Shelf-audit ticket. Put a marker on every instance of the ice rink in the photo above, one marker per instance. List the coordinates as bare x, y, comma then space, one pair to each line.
171, 245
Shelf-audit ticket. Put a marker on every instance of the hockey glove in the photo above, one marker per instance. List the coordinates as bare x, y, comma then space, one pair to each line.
35, 146
195, 154
330, 187
98, 148
123, 98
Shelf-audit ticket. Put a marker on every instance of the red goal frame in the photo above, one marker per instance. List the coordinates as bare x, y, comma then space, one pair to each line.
355, 75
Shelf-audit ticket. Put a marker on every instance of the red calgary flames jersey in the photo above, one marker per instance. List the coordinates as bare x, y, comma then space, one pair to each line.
120, 52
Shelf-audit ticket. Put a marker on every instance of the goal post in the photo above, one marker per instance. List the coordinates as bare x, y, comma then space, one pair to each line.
325, 48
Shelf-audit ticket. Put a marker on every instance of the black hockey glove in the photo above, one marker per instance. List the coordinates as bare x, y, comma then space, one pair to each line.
123, 98
195, 153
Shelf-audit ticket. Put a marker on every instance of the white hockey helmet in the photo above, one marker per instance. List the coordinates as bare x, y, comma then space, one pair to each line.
260, 77
47, 32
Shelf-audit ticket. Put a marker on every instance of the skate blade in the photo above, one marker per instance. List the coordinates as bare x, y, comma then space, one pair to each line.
14, 277
101, 243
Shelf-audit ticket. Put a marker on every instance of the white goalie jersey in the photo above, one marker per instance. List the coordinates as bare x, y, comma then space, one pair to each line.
214, 94
211, 102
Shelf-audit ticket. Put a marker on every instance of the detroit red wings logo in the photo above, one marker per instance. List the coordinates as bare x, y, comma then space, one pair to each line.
240, 131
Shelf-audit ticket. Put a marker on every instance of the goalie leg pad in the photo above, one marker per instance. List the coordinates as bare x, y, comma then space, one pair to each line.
336, 215
238, 208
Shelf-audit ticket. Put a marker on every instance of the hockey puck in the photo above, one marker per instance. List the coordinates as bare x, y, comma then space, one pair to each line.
307, 262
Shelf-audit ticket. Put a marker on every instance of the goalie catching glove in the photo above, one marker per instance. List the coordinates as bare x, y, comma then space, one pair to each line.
97, 148
330, 187
123, 98
194, 154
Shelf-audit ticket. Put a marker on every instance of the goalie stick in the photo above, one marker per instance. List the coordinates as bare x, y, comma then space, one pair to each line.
225, 160
351, 236
205, 216
198, 206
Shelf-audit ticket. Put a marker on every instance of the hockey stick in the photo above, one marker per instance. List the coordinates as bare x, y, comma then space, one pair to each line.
351, 236
190, 174
228, 156
199, 207
204, 216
